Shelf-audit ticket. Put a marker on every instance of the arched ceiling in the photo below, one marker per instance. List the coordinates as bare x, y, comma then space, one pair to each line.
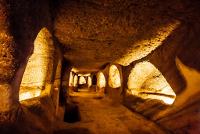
95, 32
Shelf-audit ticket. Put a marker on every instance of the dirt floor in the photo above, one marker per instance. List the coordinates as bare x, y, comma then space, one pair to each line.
94, 113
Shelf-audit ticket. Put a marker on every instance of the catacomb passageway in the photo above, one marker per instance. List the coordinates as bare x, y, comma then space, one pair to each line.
99, 66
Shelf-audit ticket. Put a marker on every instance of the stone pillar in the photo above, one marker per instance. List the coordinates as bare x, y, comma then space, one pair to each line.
93, 82
57, 81
76, 82
89, 82
125, 72
57, 84
71, 81
64, 90
86, 79
115, 82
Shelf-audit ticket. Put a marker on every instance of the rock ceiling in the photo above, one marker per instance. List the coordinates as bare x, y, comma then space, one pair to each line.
96, 32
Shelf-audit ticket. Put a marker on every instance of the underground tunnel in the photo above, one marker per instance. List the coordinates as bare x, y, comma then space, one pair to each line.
99, 67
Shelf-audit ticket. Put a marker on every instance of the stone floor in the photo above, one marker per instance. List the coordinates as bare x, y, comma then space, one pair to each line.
100, 115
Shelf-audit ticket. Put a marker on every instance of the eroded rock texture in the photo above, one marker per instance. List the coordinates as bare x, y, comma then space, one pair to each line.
8, 61
120, 31
20, 24
48, 39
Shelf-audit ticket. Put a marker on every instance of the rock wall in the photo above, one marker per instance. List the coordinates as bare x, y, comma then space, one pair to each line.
110, 90
38, 114
179, 64
9, 63
64, 89
92, 85
57, 79
165, 33
89, 82
76, 81
20, 23
71, 81
40, 68
183, 115
101, 82
177, 60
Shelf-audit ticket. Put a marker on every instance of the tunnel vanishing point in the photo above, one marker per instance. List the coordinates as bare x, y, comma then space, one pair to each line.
141, 54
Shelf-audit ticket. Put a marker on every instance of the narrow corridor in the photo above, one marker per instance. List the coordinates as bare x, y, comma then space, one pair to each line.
101, 115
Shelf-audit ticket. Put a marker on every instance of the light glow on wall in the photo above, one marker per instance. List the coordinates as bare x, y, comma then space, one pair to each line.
82, 80
143, 50
39, 62
114, 77
76, 81
146, 81
71, 79
39, 67
101, 81
29, 95
89, 81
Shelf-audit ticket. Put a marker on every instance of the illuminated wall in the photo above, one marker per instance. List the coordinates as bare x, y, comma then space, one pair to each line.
76, 80
82, 80
101, 82
114, 77
89, 81
71, 79
146, 81
39, 69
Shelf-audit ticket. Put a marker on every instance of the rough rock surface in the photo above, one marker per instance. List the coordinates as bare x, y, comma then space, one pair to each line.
120, 32
92, 35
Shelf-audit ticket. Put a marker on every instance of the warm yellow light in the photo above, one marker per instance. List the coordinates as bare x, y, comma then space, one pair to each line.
143, 49
39, 66
25, 96
89, 81
76, 81
114, 77
71, 80
37, 93
82, 80
29, 95
88, 74
192, 76
74, 70
101, 82
146, 81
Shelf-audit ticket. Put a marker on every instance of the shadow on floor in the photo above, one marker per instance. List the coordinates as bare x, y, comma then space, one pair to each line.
73, 131
98, 97
72, 113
